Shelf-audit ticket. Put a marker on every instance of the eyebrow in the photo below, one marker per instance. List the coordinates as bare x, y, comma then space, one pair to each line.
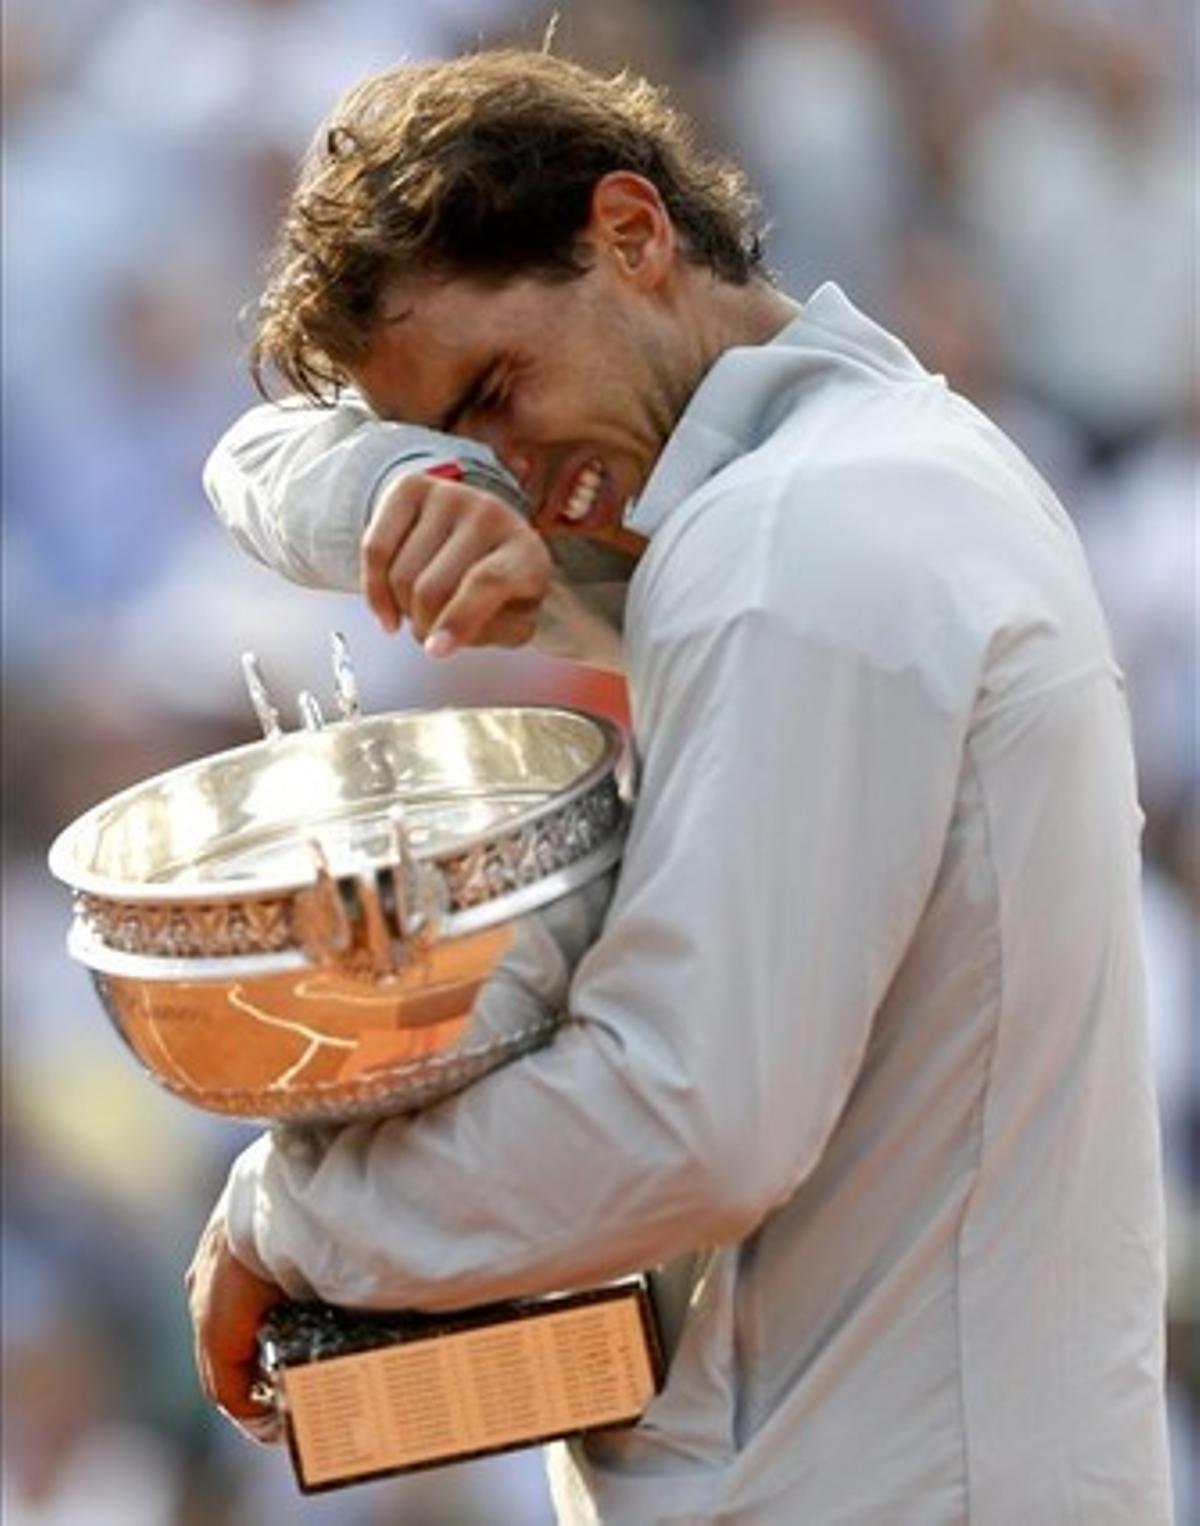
467, 396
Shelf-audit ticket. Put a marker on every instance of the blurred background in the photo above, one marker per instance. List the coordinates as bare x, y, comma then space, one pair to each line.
1009, 184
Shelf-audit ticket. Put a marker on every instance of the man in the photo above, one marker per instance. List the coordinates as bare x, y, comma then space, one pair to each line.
859, 1054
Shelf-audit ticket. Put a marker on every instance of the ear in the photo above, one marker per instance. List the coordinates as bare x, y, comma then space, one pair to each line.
630, 227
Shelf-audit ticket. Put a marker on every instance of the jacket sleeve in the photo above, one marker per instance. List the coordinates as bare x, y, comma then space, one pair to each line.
792, 806
295, 485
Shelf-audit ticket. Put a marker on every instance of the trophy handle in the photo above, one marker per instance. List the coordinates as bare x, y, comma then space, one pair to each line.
377, 918
260, 697
349, 705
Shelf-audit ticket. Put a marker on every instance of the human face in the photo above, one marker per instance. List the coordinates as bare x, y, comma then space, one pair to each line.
571, 383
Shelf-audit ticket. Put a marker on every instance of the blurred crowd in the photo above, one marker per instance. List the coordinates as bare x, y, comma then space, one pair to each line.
1008, 184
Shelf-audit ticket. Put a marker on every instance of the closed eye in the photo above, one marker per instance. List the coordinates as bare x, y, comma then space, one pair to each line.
491, 399
486, 393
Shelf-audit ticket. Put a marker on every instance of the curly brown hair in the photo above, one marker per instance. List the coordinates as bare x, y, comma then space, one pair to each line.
479, 167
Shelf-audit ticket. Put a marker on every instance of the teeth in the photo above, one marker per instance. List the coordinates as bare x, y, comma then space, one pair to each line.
583, 494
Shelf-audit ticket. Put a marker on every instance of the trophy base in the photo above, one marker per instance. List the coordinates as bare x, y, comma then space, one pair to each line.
364, 1395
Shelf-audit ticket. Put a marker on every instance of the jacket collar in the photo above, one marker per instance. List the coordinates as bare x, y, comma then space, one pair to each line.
749, 390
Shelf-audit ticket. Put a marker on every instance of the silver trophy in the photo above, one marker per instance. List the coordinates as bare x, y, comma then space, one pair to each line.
329, 924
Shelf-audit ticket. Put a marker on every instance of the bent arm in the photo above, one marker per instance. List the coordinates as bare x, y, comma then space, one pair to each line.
296, 484
791, 812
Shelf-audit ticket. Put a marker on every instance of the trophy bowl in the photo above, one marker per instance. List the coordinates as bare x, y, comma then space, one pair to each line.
308, 927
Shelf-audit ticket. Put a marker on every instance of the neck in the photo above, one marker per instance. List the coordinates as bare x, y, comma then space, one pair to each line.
713, 316
701, 318
722, 316
750, 314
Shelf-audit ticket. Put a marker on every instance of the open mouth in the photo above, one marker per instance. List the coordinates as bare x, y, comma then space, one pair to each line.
584, 494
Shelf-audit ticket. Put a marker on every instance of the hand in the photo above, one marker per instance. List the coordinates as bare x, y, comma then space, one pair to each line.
227, 1303
463, 567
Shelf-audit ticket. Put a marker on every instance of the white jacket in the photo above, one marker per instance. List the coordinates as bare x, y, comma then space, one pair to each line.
865, 1026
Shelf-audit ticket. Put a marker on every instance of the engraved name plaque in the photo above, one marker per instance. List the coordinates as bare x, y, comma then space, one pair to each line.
364, 1395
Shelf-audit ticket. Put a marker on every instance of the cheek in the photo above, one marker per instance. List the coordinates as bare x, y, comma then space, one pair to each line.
556, 409
585, 395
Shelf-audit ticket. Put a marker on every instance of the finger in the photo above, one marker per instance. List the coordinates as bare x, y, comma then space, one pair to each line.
473, 537
437, 523
464, 524
266, 1431
257, 1415
236, 1389
234, 1394
501, 593
513, 626
227, 1302
226, 1380
391, 522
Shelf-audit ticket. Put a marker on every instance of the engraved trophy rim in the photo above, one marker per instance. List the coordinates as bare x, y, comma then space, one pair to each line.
62, 854
208, 928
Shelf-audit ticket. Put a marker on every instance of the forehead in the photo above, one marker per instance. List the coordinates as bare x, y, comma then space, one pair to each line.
433, 337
